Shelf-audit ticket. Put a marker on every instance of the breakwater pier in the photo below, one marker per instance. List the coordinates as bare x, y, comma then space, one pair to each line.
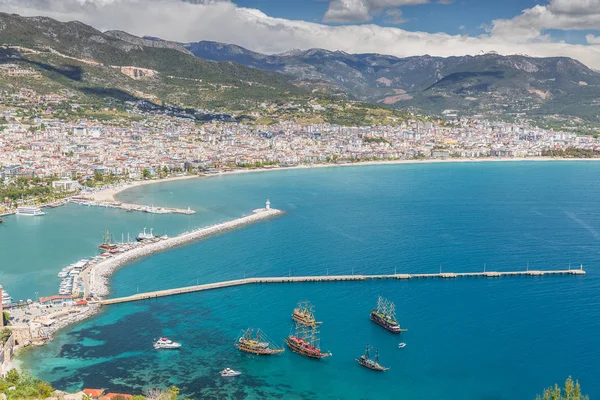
333, 278
95, 276
131, 207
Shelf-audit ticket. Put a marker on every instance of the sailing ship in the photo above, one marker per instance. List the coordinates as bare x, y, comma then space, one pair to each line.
304, 314
107, 245
305, 341
367, 362
259, 345
385, 315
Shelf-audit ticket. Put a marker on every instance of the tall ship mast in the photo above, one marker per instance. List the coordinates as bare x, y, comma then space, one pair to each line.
368, 362
304, 314
385, 315
259, 344
107, 245
305, 341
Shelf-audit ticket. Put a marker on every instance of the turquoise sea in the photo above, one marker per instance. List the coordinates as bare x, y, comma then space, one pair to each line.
486, 339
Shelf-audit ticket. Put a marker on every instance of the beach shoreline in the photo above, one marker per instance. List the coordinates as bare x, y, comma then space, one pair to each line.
111, 194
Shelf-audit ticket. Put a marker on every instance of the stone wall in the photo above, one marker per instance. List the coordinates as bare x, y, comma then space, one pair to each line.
6, 353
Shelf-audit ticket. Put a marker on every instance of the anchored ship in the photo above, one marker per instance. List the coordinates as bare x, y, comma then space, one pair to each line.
259, 345
304, 314
367, 362
305, 341
385, 315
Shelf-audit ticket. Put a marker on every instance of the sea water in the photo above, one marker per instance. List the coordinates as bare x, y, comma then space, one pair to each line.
476, 338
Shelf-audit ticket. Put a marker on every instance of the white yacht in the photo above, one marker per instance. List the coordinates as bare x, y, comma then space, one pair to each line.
229, 372
164, 343
30, 211
144, 235
6, 299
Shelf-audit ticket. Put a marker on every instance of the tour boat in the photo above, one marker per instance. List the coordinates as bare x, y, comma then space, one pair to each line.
164, 343
370, 363
229, 372
30, 211
144, 235
385, 316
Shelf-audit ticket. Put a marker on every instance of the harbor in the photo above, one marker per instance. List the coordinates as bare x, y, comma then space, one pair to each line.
335, 278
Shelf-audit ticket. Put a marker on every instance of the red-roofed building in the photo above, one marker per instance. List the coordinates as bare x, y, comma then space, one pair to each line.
82, 303
56, 300
93, 393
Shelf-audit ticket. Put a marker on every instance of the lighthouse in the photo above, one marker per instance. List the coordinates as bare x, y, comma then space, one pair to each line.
267, 205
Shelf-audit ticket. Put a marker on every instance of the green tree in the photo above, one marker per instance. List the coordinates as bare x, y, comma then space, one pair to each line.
4, 335
138, 397
5, 317
146, 173
572, 391
13, 377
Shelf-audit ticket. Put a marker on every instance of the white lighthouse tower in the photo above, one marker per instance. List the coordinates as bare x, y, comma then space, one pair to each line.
267, 205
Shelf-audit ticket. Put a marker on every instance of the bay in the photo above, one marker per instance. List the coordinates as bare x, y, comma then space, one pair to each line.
468, 339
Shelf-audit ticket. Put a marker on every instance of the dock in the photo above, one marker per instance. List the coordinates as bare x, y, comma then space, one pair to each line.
334, 278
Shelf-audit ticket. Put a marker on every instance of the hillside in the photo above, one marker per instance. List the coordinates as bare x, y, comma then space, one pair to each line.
78, 58
489, 83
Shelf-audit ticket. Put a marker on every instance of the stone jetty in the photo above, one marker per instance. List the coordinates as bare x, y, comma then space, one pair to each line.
96, 276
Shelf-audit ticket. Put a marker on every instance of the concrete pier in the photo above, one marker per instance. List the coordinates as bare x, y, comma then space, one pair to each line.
133, 207
332, 278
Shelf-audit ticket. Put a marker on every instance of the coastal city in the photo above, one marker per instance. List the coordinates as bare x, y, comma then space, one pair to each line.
71, 155
299, 199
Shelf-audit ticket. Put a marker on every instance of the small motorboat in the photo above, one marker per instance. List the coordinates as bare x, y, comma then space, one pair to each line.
229, 372
401, 345
164, 343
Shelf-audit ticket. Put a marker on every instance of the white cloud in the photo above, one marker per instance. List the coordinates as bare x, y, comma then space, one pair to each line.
225, 22
557, 14
362, 10
592, 39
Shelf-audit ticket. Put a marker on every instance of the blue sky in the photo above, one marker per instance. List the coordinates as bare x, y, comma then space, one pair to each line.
426, 17
459, 17
397, 27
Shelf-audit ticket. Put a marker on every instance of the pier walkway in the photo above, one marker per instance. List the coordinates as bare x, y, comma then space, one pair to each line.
333, 278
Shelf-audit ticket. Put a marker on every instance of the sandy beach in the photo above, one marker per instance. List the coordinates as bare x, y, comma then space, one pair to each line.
109, 194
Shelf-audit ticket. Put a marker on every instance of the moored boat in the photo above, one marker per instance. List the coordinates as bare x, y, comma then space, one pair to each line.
107, 245
372, 364
30, 211
385, 316
145, 235
259, 345
305, 341
305, 314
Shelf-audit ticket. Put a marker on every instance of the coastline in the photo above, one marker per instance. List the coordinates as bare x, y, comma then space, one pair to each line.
97, 275
110, 194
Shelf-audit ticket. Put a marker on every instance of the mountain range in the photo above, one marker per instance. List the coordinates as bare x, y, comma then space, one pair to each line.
212, 74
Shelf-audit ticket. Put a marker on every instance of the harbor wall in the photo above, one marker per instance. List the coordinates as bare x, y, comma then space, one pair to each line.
6, 354
99, 272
